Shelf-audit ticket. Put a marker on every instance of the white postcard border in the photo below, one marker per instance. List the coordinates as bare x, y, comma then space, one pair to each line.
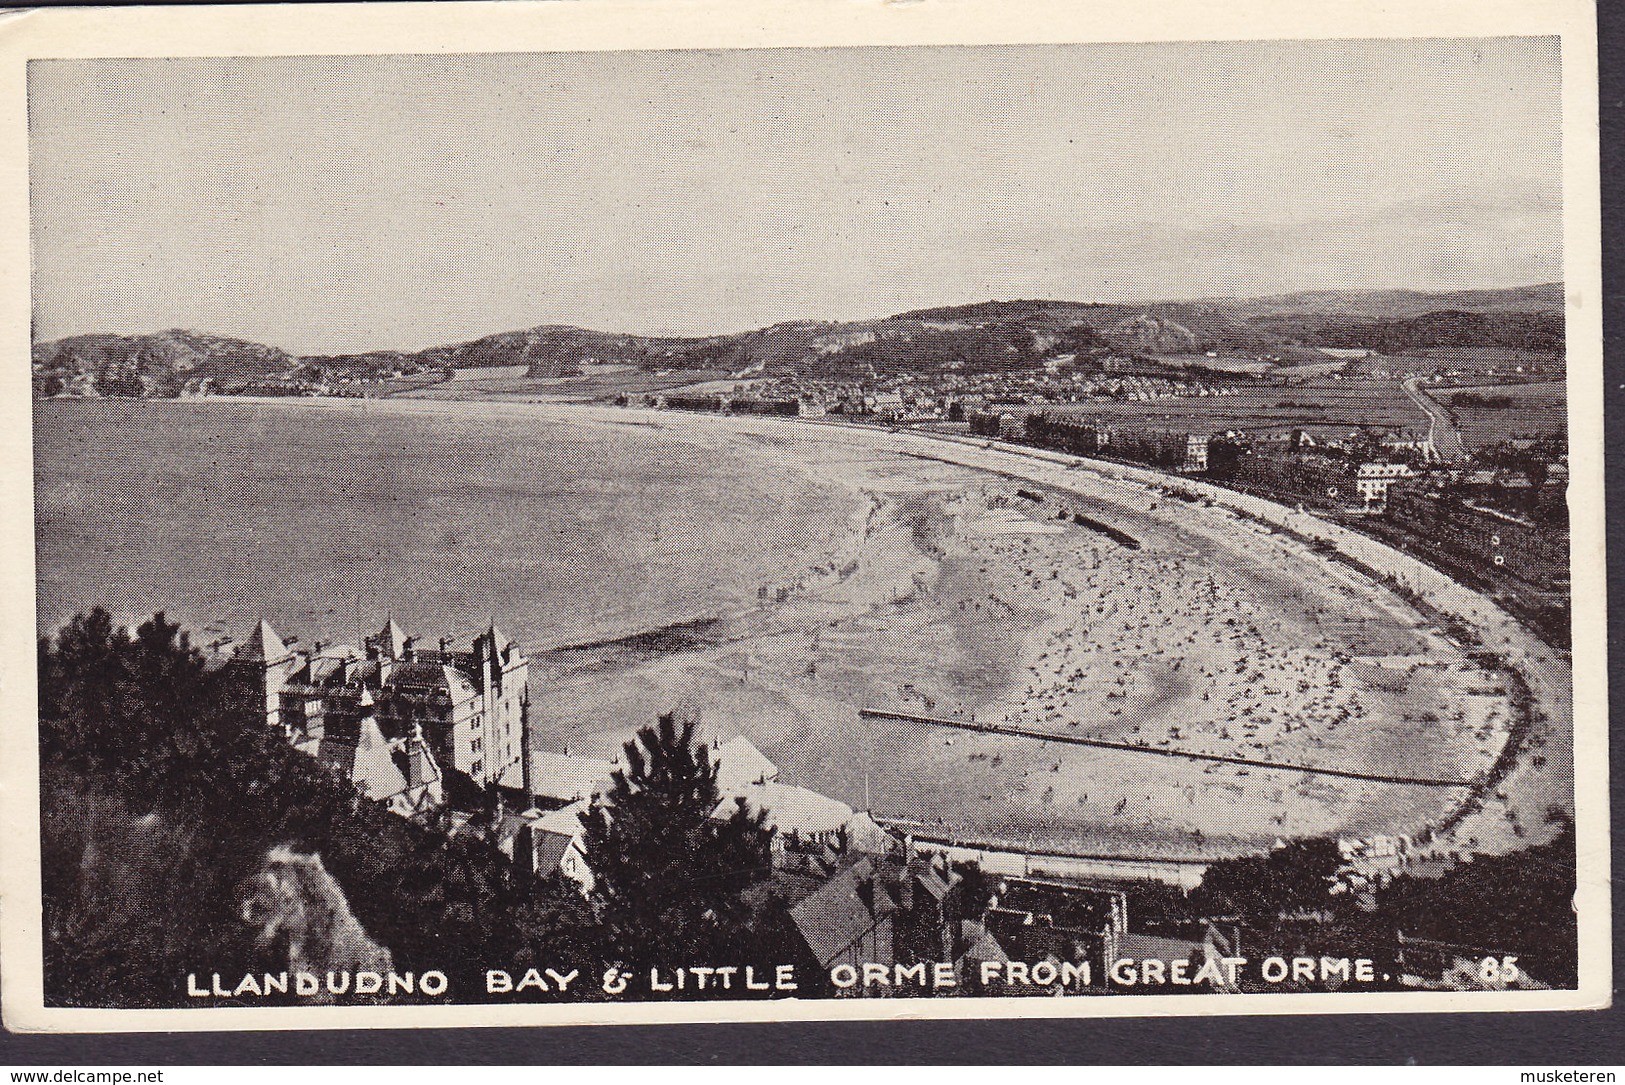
598, 25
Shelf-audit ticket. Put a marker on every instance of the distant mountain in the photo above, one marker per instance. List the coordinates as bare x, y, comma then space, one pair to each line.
988, 336
1397, 304
1533, 331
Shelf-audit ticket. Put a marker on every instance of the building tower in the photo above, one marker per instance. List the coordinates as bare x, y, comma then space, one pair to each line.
266, 664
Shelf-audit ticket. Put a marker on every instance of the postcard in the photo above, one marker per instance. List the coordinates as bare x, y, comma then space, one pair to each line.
634, 511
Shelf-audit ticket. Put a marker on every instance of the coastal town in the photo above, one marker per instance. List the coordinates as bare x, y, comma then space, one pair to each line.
649, 518
1495, 514
444, 737
440, 737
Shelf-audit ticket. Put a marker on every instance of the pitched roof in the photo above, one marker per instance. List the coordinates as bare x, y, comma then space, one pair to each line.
565, 821
327, 670
565, 777
424, 672
979, 944
264, 646
338, 651
836, 917
391, 639
865, 834
499, 639
740, 764
367, 763
790, 809
549, 849
931, 881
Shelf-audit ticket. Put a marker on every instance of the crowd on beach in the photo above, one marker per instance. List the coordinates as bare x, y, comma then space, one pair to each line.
1157, 648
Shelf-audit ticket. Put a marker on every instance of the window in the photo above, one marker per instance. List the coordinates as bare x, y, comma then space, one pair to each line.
475, 745
479, 767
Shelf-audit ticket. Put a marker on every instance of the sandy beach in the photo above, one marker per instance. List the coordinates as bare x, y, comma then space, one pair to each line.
955, 596
777, 577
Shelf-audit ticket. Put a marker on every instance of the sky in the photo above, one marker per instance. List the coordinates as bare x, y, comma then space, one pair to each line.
326, 204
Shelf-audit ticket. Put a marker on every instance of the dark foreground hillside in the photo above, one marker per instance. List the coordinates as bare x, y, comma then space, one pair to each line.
180, 835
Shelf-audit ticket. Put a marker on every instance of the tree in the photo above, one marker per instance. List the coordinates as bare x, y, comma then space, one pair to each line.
1522, 902
1297, 876
162, 790
668, 876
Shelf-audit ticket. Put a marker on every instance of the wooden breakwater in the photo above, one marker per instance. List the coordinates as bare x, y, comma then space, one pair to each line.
1117, 535
1158, 751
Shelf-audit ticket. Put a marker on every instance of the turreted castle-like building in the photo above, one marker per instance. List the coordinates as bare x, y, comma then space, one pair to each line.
395, 718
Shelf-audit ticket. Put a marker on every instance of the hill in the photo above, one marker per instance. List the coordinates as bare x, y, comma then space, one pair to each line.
160, 364
1533, 331
1397, 304
983, 337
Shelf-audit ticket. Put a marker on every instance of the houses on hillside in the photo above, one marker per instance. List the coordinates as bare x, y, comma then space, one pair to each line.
564, 785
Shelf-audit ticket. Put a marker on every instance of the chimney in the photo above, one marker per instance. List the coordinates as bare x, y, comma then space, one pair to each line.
420, 763
524, 747
409, 648
866, 893
490, 674
445, 642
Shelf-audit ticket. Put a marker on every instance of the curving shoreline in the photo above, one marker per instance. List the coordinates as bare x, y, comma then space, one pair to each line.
1515, 790
905, 560
1538, 667
1514, 785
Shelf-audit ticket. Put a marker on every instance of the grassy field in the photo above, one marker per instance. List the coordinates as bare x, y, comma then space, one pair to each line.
1482, 361
596, 382
1224, 363
1371, 403
1485, 359
1496, 412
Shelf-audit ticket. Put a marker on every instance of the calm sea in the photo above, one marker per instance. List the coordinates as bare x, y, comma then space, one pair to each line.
323, 519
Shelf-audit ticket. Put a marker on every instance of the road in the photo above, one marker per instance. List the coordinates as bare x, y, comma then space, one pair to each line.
1012, 861
1442, 431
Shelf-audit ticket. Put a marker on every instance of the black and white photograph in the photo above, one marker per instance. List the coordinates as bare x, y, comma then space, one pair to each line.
534, 533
